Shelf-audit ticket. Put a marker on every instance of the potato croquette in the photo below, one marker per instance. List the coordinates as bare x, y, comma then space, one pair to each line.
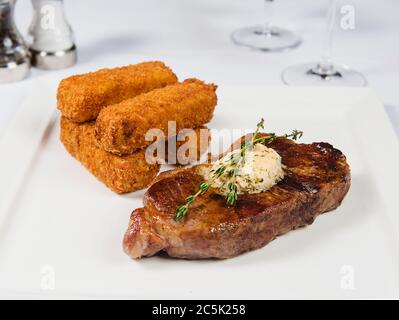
81, 97
120, 174
121, 128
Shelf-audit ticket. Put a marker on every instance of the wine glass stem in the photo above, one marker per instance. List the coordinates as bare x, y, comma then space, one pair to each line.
326, 62
269, 8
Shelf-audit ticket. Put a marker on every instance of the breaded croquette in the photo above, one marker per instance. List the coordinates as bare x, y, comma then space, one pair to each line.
120, 174
81, 97
128, 173
121, 128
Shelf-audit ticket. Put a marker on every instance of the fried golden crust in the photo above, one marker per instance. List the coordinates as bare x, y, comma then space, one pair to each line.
81, 97
121, 174
121, 128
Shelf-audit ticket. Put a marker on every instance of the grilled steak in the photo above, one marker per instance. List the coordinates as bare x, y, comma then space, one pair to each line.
317, 178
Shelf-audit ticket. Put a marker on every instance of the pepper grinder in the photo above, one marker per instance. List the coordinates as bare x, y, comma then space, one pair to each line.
14, 54
52, 42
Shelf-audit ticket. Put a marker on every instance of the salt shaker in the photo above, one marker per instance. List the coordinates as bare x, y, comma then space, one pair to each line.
14, 54
52, 42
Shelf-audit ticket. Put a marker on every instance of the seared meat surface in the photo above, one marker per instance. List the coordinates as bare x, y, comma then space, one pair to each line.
317, 178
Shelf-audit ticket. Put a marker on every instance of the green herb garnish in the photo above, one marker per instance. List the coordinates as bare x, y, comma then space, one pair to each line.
235, 159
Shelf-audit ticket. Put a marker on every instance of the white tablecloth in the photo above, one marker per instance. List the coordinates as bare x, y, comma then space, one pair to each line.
193, 37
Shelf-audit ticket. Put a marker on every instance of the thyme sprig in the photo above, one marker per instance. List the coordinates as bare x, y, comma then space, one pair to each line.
295, 135
203, 187
235, 159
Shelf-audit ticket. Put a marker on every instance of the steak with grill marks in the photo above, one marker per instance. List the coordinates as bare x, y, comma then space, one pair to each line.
317, 178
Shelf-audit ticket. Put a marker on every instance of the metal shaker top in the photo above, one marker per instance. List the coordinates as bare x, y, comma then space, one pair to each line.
14, 54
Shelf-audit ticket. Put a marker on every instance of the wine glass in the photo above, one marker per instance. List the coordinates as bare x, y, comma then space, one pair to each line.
266, 37
324, 72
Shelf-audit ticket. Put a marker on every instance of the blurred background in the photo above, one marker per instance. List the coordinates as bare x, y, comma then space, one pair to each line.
194, 38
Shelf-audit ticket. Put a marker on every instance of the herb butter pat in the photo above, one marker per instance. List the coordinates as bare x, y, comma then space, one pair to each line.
258, 171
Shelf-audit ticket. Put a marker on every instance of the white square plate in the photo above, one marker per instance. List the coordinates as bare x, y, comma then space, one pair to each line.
61, 229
